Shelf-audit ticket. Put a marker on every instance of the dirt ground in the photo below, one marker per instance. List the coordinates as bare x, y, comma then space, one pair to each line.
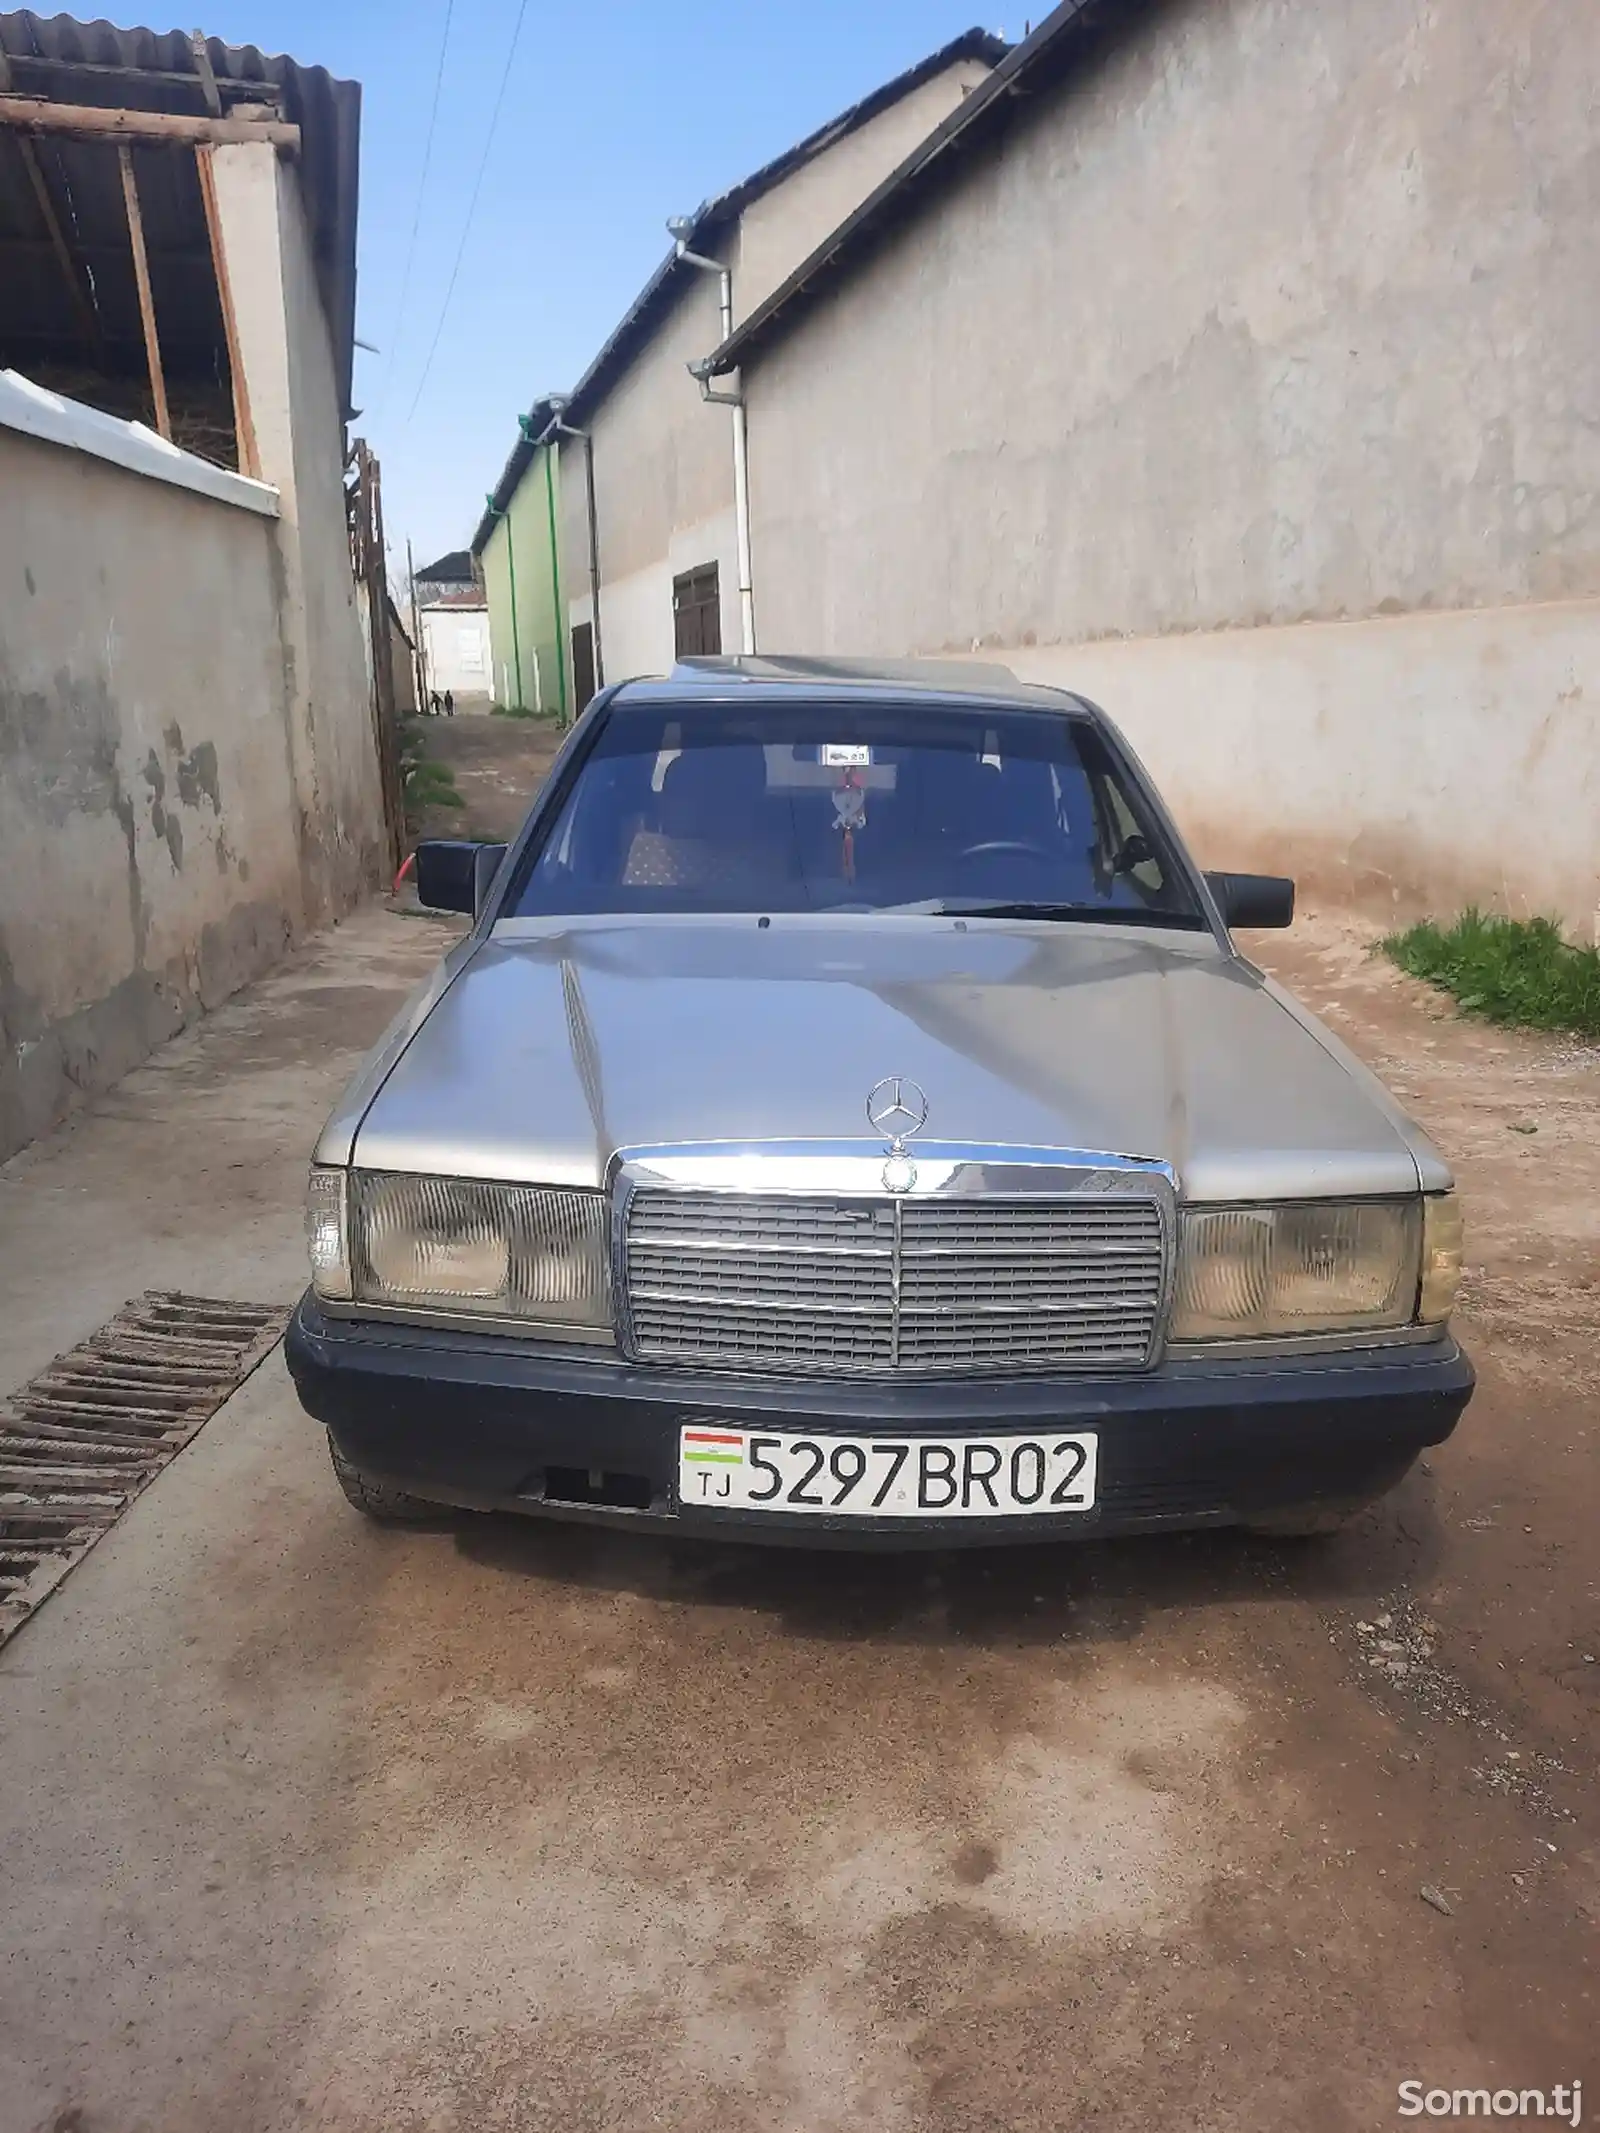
502, 1826
499, 765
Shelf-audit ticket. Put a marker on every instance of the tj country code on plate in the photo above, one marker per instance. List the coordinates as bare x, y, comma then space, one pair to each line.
886, 1477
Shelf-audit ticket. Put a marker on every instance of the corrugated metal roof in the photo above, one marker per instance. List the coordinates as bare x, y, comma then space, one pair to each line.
97, 63
1067, 39
452, 569
710, 219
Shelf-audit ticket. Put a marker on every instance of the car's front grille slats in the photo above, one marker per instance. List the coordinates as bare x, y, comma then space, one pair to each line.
865, 1286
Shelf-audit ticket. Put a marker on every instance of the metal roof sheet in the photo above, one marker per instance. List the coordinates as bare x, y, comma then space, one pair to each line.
97, 63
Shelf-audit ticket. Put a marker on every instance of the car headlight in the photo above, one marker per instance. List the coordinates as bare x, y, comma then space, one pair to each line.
455, 1244
1319, 1266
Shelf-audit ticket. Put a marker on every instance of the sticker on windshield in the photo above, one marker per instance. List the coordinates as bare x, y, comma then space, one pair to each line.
846, 755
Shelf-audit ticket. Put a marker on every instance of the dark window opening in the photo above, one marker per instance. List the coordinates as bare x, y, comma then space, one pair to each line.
697, 613
582, 665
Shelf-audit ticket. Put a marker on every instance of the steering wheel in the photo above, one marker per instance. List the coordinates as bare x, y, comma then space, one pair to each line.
1019, 845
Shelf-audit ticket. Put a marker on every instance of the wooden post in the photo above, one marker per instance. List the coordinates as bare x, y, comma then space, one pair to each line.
141, 274
374, 574
419, 652
36, 114
244, 429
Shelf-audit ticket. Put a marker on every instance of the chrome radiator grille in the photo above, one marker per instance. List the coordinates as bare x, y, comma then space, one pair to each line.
876, 1287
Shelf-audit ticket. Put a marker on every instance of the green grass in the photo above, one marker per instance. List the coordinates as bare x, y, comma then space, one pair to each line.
1510, 970
429, 784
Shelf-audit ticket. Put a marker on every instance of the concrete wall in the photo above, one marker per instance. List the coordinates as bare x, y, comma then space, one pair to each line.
188, 775
149, 861
1274, 315
295, 404
1407, 765
787, 224
663, 457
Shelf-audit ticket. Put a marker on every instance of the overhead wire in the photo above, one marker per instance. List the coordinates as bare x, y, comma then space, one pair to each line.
472, 206
416, 220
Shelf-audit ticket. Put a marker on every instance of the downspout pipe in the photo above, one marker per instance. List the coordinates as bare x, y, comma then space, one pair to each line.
555, 582
680, 228
560, 427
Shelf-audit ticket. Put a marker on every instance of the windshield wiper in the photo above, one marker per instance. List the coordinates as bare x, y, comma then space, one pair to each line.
1087, 914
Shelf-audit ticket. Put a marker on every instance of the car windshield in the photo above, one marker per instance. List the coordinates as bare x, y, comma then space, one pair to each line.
817, 807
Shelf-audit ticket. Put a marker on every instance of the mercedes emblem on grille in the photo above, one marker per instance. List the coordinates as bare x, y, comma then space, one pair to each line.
897, 1108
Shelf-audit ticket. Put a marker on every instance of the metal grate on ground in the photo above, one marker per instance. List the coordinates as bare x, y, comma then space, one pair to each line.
81, 1440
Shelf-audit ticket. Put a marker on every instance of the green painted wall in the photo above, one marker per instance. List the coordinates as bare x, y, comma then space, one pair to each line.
522, 536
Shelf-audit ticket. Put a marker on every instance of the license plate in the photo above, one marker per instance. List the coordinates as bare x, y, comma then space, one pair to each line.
886, 1477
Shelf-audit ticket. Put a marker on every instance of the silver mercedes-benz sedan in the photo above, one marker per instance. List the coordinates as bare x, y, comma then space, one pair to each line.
850, 1118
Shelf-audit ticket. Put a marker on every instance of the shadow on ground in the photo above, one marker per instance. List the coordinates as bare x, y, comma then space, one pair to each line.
1089, 1592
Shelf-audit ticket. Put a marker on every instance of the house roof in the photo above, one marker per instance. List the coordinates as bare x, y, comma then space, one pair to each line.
708, 222
464, 602
1066, 41
452, 569
96, 63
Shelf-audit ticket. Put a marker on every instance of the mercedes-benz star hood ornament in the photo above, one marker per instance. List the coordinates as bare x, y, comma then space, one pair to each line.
897, 1108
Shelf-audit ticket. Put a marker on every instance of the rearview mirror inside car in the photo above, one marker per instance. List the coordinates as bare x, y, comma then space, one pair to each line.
1253, 899
456, 874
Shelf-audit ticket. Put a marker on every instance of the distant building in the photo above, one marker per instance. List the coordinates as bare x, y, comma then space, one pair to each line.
455, 641
662, 556
454, 617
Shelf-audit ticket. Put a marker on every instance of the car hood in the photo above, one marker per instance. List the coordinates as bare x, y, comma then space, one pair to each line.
556, 1043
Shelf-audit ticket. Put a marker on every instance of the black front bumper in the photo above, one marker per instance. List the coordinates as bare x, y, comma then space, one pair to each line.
498, 1423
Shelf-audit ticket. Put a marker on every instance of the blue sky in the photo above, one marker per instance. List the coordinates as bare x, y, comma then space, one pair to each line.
617, 114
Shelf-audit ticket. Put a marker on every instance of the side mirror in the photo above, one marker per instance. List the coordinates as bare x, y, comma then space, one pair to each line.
455, 874
1253, 899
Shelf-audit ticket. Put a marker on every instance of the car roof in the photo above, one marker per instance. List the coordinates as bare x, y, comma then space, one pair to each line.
770, 677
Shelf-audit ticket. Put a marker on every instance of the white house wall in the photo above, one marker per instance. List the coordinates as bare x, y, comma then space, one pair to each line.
452, 635
1271, 318
636, 611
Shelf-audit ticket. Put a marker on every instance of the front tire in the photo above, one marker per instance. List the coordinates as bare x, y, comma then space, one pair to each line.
376, 1500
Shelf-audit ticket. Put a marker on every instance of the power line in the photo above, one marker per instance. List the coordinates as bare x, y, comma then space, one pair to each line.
472, 205
422, 194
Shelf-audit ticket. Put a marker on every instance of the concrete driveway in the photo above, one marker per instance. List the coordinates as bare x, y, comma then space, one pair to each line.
500, 1826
